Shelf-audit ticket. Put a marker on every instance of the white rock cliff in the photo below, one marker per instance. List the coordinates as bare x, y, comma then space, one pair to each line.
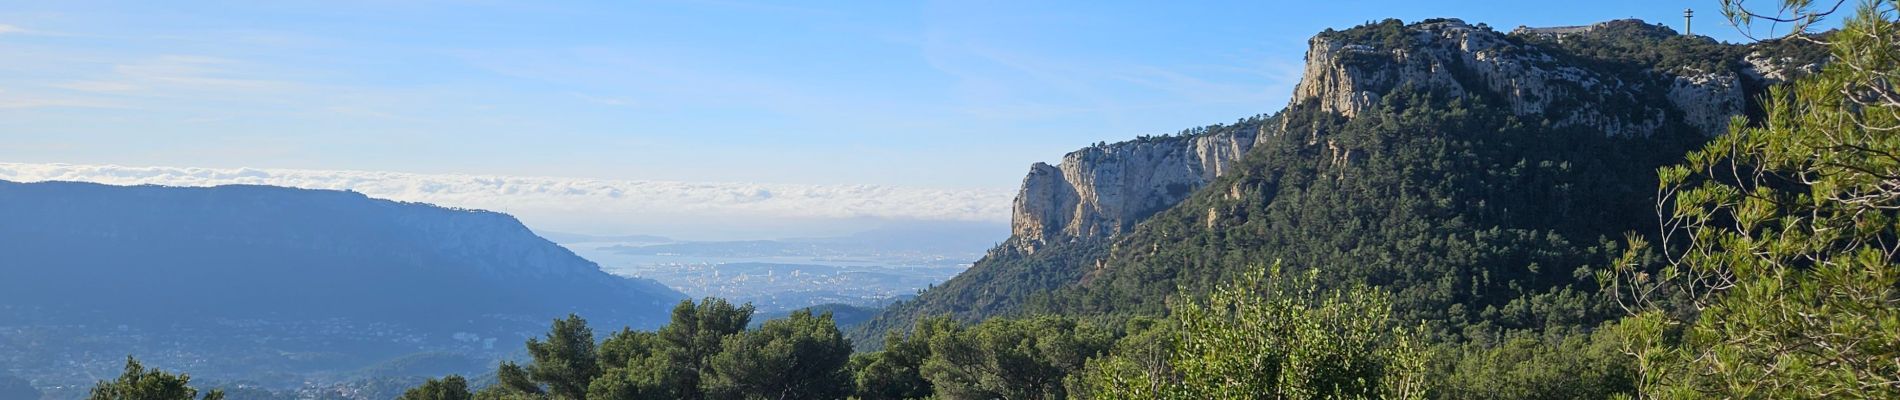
1104, 190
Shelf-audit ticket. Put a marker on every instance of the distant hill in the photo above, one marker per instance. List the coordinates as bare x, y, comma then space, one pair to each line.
294, 279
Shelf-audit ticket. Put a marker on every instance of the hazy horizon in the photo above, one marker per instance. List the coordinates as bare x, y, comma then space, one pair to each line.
679, 210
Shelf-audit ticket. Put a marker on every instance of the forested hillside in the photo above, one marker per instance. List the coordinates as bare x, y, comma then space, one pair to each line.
1477, 175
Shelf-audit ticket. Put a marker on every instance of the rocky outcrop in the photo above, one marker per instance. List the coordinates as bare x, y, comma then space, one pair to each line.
1620, 79
1708, 100
1347, 77
1772, 68
1103, 190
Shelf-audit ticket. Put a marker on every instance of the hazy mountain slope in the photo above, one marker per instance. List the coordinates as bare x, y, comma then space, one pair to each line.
252, 251
1471, 172
259, 270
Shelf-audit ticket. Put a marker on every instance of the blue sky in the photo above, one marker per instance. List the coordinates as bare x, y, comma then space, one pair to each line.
954, 94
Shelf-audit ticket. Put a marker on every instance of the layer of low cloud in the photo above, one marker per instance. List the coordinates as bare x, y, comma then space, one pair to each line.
592, 205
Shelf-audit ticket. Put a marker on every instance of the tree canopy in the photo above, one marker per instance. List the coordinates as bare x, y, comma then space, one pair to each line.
139, 383
1778, 277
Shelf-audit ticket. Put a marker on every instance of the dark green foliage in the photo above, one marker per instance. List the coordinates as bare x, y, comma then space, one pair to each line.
798, 357
138, 383
1780, 280
1528, 366
627, 347
452, 387
897, 371
674, 362
1631, 46
694, 335
565, 362
1388, 33
630, 383
500, 393
1258, 338
1029, 358
631, 369
1011, 358
510, 377
997, 285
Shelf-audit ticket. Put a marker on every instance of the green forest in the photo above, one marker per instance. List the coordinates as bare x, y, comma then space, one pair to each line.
1436, 247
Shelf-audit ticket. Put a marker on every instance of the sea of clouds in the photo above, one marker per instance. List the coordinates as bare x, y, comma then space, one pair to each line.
591, 205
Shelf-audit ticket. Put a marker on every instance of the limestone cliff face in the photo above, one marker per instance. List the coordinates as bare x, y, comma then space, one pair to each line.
1620, 79
1103, 190
1462, 60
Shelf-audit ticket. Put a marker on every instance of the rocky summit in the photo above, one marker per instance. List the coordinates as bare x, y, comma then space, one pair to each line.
1104, 190
1418, 136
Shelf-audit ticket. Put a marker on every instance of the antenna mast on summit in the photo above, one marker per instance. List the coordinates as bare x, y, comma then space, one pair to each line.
1688, 28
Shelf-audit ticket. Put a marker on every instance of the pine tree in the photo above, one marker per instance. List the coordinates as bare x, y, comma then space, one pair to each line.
1255, 339
565, 361
695, 334
452, 387
798, 357
138, 383
1780, 279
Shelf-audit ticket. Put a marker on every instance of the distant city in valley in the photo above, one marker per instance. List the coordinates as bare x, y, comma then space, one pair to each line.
867, 269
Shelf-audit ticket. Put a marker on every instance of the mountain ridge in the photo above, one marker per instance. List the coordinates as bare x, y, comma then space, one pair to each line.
285, 274
1405, 132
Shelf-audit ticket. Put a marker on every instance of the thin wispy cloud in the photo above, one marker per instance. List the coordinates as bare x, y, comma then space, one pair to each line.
97, 86
181, 75
573, 197
38, 103
9, 101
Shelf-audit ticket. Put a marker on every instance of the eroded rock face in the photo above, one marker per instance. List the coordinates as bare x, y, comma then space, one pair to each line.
1460, 60
1777, 69
1103, 190
1708, 100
